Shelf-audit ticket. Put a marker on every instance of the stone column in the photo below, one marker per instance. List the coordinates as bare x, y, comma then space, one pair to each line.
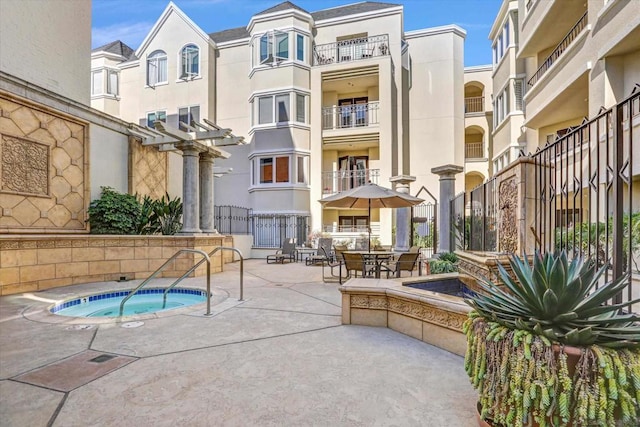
206, 193
447, 175
190, 194
403, 215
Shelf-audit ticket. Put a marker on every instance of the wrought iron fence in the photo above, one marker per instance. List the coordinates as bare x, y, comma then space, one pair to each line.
351, 50
232, 219
271, 230
482, 217
424, 220
459, 223
587, 200
559, 50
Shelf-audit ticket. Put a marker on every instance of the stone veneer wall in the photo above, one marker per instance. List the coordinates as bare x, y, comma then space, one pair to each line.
147, 170
436, 320
44, 170
33, 263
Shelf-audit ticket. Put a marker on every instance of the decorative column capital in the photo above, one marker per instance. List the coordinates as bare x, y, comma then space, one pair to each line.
447, 171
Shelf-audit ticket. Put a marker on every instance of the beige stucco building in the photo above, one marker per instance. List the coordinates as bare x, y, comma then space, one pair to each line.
327, 100
557, 63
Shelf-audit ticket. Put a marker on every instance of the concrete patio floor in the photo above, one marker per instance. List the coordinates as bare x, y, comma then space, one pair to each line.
280, 357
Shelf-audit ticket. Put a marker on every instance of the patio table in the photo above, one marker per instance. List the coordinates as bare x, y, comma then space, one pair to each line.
300, 252
375, 258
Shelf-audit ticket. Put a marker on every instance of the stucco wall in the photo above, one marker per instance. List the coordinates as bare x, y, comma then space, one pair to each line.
29, 51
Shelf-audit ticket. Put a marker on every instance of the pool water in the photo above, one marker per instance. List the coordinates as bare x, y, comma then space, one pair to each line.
445, 286
144, 302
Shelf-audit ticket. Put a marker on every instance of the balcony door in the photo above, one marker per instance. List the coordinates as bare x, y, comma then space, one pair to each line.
353, 223
353, 111
354, 171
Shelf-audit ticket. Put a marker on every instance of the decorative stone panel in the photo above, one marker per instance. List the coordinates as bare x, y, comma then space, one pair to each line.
147, 170
44, 169
507, 224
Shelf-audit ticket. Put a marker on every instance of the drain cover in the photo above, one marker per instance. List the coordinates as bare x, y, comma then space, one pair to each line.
132, 325
102, 358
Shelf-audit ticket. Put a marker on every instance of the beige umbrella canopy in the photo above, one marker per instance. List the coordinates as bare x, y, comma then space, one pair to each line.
370, 196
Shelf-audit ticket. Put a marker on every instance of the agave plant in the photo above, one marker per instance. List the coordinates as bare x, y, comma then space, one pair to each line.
560, 300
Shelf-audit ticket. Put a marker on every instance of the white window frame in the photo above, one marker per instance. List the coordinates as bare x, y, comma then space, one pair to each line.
94, 86
188, 75
258, 168
110, 89
158, 60
156, 113
299, 44
271, 40
189, 113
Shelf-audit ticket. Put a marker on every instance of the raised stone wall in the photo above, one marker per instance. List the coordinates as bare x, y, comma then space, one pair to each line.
33, 263
44, 169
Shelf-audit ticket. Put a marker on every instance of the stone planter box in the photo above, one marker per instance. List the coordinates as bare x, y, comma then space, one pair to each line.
428, 316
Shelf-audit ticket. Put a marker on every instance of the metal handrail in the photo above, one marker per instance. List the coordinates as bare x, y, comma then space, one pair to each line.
559, 50
208, 313
155, 273
236, 250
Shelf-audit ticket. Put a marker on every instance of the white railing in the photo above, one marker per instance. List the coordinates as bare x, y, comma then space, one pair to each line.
474, 104
335, 182
351, 50
350, 116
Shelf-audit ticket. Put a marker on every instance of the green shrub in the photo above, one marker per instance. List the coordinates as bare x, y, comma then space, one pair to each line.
439, 266
449, 256
167, 215
114, 213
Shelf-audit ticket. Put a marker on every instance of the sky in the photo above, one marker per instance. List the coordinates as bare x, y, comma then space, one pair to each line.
131, 20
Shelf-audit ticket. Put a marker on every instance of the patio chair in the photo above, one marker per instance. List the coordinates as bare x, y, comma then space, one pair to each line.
287, 252
321, 256
362, 244
337, 252
333, 264
355, 263
405, 262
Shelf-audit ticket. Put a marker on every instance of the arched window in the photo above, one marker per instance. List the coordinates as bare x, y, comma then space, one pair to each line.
189, 61
157, 68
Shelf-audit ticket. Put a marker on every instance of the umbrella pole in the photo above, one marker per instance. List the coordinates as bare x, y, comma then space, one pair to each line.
369, 227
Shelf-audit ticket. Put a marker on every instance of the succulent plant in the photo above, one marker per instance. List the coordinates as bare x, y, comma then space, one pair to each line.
560, 300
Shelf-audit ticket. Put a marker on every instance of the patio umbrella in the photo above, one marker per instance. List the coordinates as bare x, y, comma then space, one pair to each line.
370, 196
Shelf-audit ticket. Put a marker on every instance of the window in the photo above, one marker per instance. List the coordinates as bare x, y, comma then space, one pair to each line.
282, 108
277, 109
300, 47
96, 82
112, 82
501, 44
300, 108
157, 68
274, 46
301, 170
518, 86
269, 174
265, 110
501, 107
188, 115
156, 115
189, 61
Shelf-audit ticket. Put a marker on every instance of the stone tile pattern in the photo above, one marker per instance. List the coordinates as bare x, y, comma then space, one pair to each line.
44, 169
147, 170
41, 262
432, 323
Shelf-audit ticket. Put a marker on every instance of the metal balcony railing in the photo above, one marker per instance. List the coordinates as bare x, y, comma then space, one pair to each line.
474, 104
559, 50
473, 150
351, 50
334, 182
350, 116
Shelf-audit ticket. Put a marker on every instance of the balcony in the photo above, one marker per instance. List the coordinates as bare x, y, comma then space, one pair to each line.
474, 104
350, 116
335, 182
351, 50
559, 50
473, 150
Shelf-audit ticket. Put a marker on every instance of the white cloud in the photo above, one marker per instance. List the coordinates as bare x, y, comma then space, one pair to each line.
131, 33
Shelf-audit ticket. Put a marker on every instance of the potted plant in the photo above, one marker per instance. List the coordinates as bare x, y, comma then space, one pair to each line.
547, 349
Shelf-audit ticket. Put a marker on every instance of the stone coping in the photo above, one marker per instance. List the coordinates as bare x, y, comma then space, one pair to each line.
429, 316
